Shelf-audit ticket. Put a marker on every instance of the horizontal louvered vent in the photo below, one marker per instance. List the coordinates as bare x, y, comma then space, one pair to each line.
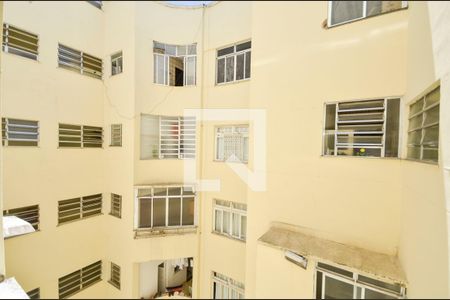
79, 62
115, 275
116, 135
79, 280
34, 294
78, 208
27, 213
77, 136
20, 42
116, 205
17, 132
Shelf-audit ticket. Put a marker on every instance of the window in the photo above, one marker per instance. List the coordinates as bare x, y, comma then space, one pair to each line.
80, 136
29, 214
116, 205
230, 219
340, 12
97, 4
79, 62
233, 63
116, 63
167, 137
115, 275
20, 42
423, 130
336, 283
232, 143
79, 208
34, 294
174, 65
165, 207
79, 280
116, 135
226, 288
17, 132
362, 128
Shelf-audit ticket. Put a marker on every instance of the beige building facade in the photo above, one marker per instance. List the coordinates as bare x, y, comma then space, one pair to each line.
265, 194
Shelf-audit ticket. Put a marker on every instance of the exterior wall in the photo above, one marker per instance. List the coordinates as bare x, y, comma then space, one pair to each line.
424, 208
351, 200
297, 66
2, 244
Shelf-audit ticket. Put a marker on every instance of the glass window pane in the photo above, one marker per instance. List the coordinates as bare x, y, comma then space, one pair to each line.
226, 222
433, 97
392, 128
245, 149
218, 221
413, 152
190, 70
221, 70
415, 137
236, 225
330, 117
244, 46
431, 137
248, 60
225, 51
220, 148
159, 212
416, 107
171, 49
174, 191
431, 116
145, 213
240, 66
328, 144
431, 154
374, 8
336, 289
174, 211
229, 72
188, 211
149, 137
192, 49
244, 227
181, 50
415, 122
370, 294
343, 11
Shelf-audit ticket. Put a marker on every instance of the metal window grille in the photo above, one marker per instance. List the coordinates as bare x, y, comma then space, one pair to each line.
79, 280
20, 42
17, 132
79, 62
232, 143
78, 208
116, 205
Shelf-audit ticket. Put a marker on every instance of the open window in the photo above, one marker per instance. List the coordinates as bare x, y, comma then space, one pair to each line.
174, 65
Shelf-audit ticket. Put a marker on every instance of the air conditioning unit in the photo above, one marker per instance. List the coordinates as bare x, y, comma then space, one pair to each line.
296, 259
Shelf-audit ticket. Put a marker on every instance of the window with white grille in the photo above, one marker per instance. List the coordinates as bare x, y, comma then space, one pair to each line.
79, 280
233, 63
174, 65
423, 130
116, 205
29, 214
362, 128
116, 63
16, 132
341, 12
230, 219
79, 208
165, 207
232, 143
20, 42
166, 137
336, 283
80, 136
226, 288
115, 275
79, 62
34, 294
116, 135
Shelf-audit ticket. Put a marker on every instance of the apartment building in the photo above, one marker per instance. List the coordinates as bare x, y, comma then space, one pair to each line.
226, 150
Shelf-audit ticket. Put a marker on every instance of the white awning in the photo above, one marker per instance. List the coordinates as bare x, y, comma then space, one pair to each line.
13, 226
11, 289
374, 263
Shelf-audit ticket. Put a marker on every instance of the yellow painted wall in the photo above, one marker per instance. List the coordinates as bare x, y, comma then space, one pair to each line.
2, 244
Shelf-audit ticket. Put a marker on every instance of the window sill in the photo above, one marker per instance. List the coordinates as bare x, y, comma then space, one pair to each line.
23, 234
112, 215
231, 161
114, 285
78, 220
383, 158
163, 231
232, 82
228, 237
176, 86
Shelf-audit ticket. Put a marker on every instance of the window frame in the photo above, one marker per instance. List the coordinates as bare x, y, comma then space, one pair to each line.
383, 148
81, 131
330, 6
113, 141
81, 212
231, 209
78, 69
234, 54
115, 57
354, 282
116, 199
166, 198
166, 59
5, 46
226, 282
423, 96
26, 210
71, 278
115, 270
216, 146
